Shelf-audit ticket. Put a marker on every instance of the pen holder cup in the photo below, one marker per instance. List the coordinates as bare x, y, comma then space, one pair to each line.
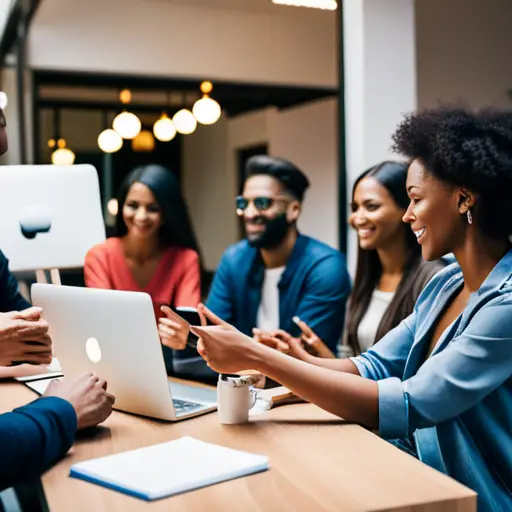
235, 398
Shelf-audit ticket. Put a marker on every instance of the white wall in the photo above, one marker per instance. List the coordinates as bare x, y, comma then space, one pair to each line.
207, 183
164, 38
307, 136
464, 51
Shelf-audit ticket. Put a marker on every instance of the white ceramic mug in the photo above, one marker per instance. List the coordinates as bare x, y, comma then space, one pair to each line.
235, 397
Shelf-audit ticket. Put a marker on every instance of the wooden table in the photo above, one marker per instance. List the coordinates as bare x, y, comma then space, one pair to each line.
317, 462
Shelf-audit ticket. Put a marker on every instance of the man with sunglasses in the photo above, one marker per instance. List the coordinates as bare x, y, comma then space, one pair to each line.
278, 273
34, 437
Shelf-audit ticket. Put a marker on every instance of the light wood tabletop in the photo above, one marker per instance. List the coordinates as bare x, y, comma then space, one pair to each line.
317, 462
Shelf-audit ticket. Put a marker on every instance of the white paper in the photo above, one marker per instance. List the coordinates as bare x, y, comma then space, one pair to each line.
39, 386
170, 468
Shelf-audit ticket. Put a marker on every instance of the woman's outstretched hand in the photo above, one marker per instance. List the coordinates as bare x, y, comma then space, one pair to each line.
224, 348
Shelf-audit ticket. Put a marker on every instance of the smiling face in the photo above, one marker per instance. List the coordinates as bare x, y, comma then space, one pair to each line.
267, 227
435, 213
141, 212
376, 217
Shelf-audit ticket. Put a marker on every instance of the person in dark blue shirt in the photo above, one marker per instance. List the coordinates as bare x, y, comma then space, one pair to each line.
34, 437
276, 273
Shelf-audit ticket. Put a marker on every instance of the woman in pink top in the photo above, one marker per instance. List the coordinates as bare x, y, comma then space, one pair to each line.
155, 250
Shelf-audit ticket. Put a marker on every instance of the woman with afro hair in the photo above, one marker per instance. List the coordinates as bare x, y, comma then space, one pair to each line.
439, 385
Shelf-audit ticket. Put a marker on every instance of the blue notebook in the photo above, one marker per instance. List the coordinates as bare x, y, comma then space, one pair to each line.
169, 468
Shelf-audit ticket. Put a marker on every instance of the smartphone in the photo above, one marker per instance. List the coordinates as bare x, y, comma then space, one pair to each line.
191, 315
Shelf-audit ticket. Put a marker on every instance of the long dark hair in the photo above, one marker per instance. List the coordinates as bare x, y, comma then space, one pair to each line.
391, 175
177, 228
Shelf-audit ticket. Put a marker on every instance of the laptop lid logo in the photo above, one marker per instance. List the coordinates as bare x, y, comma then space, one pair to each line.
93, 350
35, 220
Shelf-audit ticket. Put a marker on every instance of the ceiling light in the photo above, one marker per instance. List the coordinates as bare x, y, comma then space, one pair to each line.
110, 141
144, 141
184, 121
164, 129
113, 207
206, 110
127, 125
63, 156
330, 5
125, 96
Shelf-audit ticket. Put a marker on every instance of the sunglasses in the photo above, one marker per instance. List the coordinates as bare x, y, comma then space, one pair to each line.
260, 203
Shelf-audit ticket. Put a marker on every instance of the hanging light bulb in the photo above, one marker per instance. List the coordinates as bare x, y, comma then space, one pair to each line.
52, 143
110, 141
164, 129
113, 207
63, 156
127, 125
144, 141
184, 121
206, 110
125, 96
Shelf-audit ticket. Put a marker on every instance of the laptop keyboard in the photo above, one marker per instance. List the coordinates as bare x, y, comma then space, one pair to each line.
185, 407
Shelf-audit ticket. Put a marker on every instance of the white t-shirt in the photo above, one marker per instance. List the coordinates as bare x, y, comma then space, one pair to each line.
268, 312
367, 329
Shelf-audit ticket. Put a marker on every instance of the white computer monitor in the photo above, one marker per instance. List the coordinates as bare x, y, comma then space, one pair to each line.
50, 216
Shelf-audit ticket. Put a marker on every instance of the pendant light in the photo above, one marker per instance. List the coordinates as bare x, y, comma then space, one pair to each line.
126, 124
206, 110
164, 129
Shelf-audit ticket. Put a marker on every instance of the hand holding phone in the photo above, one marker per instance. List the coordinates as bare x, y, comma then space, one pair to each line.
174, 327
191, 315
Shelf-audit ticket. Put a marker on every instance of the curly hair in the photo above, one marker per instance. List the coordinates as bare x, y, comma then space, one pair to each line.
467, 149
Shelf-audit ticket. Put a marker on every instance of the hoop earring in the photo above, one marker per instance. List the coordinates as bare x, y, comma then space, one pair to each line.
470, 217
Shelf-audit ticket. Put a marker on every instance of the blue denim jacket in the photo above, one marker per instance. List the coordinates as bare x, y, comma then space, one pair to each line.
314, 286
457, 404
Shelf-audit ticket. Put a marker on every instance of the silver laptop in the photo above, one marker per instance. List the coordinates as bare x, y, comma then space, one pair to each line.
114, 335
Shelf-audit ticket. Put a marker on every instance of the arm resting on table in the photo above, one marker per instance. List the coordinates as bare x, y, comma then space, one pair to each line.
33, 438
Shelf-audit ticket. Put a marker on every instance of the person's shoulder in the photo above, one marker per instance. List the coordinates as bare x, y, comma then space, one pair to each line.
238, 251
104, 249
185, 254
4, 267
316, 246
4, 262
317, 251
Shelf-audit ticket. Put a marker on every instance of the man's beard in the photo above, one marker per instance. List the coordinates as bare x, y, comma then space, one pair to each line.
275, 232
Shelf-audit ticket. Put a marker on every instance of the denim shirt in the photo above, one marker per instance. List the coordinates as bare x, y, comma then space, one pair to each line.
457, 404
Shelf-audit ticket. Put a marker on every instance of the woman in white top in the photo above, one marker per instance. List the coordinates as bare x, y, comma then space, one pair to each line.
390, 270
